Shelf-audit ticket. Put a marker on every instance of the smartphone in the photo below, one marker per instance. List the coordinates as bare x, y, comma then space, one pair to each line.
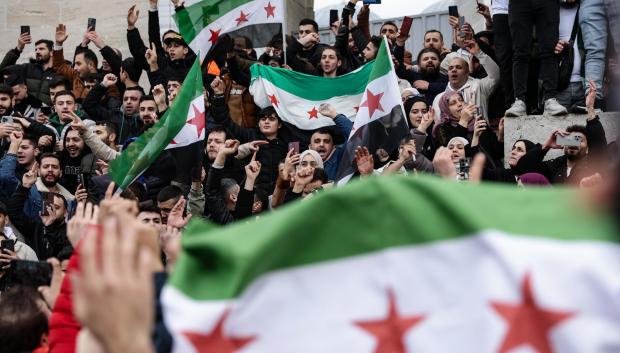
80, 179
462, 33
92, 24
47, 201
405, 27
570, 140
25, 29
84, 181
453, 11
294, 146
6, 119
8, 244
372, 2
31, 273
46, 110
333, 16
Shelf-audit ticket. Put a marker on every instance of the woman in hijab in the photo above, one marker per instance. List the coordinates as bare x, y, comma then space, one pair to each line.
457, 119
510, 174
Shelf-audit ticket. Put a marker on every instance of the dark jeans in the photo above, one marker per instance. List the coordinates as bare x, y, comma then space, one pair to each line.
524, 15
503, 51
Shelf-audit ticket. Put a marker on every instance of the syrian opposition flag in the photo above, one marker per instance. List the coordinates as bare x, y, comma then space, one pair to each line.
401, 264
181, 127
202, 23
297, 96
381, 121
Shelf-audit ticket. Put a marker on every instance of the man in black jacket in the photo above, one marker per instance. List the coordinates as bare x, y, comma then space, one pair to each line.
125, 117
46, 235
428, 81
308, 46
38, 73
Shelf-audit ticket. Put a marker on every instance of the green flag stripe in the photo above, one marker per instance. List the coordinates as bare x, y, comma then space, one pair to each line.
314, 88
145, 150
193, 19
371, 215
383, 63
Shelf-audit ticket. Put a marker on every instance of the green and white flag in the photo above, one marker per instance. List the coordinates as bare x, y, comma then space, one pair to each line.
297, 96
381, 122
182, 126
401, 264
202, 23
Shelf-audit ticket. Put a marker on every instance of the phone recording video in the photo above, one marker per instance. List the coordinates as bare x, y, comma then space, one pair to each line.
31, 273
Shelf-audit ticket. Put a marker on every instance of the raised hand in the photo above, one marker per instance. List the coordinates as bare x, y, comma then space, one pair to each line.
30, 177
80, 193
427, 120
113, 291
230, 147
252, 170
175, 218
472, 46
151, 57
86, 215
51, 216
291, 160
552, 140
442, 162
23, 39
218, 86
132, 17
61, 34
109, 80
467, 113
45, 141
303, 177
364, 161
94, 37
328, 110
51, 292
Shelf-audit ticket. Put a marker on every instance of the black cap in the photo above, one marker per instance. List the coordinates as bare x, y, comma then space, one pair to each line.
175, 38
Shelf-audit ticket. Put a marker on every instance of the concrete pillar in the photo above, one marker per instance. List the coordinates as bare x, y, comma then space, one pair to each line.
295, 11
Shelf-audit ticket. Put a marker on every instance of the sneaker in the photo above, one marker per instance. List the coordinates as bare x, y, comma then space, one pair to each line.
517, 109
553, 108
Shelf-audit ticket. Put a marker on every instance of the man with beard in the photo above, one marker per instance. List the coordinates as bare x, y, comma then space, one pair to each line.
38, 73
6, 100
324, 140
148, 111
125, 117
428, 81
71, 158
44, 232
85, 63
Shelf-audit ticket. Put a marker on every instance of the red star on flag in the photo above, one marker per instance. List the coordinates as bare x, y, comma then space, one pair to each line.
373, 102
314, 114
390, 331
274, 100
529, 324
271, 10
198, 120
243, 17
216, 341
214, 35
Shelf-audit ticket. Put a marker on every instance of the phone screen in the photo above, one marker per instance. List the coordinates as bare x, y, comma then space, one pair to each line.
92, 24
8, 244
46, 110
48, 201
405, 28
453, 11
31, 273
294, 146
25, 29
333, 16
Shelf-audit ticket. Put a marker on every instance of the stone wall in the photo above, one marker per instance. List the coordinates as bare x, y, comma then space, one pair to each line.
43, 15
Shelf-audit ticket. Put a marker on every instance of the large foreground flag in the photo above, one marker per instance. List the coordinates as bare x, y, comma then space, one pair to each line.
182, 126
297, 97
202, 23
402, 264
380, 122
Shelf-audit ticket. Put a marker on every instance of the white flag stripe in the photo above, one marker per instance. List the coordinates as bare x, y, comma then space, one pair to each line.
228, 22
188, 133
452, 283
295, 110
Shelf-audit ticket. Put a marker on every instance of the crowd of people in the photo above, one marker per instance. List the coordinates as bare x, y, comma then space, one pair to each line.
64, 121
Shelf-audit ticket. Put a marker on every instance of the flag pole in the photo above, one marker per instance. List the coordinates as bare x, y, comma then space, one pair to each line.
284, 33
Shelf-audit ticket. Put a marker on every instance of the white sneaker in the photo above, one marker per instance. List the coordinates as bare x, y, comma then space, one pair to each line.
553, 108
517, 109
